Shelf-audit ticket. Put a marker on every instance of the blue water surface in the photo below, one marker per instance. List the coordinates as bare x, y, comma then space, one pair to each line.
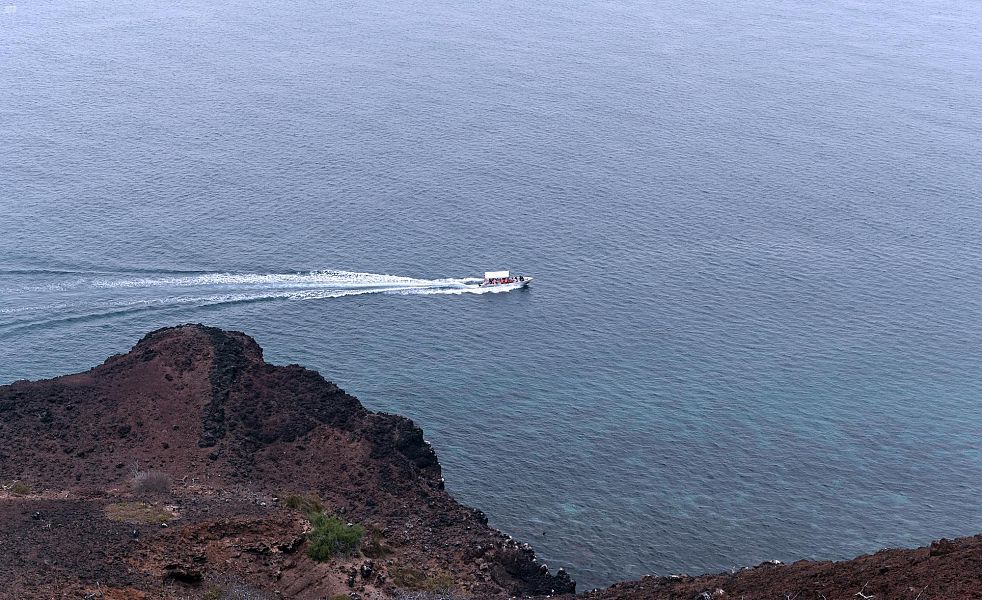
755, 228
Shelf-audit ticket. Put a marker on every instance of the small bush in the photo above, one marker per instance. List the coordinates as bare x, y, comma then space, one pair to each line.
331, 536
414, 580
151, 482
308, 506
19, 488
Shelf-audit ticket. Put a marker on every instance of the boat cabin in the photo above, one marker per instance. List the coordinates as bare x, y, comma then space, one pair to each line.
501, 278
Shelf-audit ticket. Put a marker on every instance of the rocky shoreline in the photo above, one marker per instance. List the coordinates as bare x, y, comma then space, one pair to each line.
947, 569
245, 455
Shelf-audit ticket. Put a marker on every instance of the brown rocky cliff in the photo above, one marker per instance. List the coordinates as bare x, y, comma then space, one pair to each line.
233, 433
237, 435
945, 570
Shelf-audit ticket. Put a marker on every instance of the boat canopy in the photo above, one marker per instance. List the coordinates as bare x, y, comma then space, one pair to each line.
496, 275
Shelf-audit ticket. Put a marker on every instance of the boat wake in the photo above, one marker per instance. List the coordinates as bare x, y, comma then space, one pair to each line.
72, 297
303, 286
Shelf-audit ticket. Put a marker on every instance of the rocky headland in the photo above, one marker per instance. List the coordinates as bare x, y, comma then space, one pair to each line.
191, 468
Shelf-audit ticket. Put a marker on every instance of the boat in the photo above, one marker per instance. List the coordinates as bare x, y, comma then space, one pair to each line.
504, 279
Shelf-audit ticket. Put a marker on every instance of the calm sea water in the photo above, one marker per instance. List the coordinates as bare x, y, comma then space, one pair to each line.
755, 227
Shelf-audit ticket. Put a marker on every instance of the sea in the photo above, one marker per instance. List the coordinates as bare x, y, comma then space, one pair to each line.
755, 229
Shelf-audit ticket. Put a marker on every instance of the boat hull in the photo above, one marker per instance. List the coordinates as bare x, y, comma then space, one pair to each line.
514, 285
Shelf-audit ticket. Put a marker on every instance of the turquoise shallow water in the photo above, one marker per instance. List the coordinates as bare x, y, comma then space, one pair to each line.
756, 326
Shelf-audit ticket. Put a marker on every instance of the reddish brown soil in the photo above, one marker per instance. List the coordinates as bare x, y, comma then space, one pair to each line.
237, 436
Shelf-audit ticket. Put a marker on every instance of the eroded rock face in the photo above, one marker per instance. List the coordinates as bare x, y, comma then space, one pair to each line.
234, 434
946, 569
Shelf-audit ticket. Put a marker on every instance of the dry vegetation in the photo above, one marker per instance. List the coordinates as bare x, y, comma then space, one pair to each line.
413, 580
16, 488
138, 512
151, 482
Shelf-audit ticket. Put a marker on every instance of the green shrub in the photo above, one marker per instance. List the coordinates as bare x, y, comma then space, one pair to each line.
19, 488
308, 506
331, 536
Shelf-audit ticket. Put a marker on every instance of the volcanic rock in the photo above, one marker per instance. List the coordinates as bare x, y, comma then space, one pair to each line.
232, 433
243, 453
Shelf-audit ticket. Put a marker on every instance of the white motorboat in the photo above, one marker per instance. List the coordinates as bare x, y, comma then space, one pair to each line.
505, 279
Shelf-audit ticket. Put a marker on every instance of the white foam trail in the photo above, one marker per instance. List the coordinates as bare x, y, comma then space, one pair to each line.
314, 279
215, 288
313, 285
68, 301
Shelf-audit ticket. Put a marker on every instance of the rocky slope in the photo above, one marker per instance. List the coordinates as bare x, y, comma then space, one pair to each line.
947, 570
189, 468
236, 437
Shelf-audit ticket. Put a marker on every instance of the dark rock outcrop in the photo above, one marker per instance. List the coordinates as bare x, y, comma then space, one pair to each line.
947, 570
234, 434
